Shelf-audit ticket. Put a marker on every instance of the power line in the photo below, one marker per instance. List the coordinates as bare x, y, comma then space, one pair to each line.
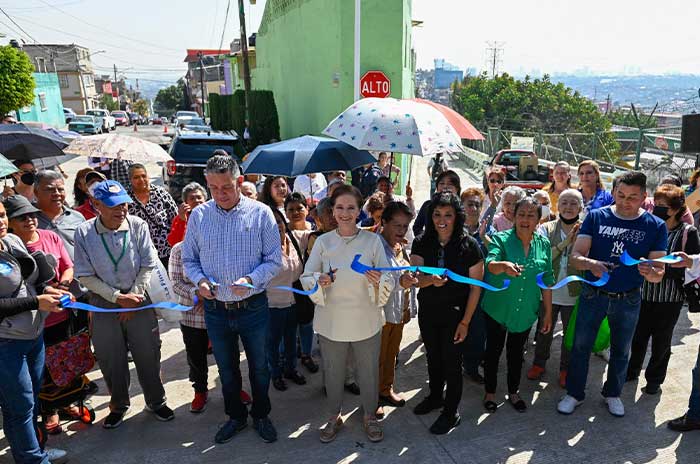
38, 7
18, 26
223, 32
216, 13
494, 56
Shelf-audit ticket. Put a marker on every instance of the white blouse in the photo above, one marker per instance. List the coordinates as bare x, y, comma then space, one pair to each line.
351, 308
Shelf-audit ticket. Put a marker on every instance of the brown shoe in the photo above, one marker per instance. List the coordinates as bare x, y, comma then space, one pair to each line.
330, 431
380, 412
373, 430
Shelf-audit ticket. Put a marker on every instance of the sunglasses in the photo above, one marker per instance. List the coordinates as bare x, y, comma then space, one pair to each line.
495, 181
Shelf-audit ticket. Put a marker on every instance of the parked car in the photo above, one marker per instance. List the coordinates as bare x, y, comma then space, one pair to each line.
157, 120
190, 152
192, 124
121, 118
523, 168
135, 118
108, 122
186, 114
88, 125
69, 114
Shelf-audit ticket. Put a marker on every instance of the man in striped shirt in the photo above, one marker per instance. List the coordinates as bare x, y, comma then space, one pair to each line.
233, 242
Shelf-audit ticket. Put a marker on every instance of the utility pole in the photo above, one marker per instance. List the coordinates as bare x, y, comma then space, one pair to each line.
201, 79
246, 65
494, 55
641, 126
115, 73
357, 49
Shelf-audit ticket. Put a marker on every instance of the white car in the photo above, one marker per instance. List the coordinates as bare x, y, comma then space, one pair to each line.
108, 121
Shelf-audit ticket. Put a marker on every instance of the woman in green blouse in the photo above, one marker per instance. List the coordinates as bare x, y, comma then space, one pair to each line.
518, 254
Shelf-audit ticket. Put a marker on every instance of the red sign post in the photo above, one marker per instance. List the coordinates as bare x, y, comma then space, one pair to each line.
375, 84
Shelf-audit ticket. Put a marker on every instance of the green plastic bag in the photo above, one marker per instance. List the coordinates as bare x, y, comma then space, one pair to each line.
602, 340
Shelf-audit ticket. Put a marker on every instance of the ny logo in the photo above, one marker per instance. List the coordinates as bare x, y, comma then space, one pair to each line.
618, 248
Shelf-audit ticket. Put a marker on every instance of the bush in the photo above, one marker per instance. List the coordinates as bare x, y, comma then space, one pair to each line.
226, 113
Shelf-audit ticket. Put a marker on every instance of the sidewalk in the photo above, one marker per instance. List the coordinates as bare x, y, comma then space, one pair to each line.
540, 435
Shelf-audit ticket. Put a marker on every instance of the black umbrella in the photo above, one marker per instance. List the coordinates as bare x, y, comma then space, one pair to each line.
20, 142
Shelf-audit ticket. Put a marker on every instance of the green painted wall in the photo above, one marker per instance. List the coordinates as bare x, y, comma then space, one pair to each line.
305, 56
52, 112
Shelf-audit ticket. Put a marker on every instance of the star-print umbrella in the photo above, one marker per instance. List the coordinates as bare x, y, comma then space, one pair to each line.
402, 126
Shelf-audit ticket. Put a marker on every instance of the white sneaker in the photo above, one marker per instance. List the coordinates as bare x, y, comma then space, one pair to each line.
568, 404
56, 456
615, 406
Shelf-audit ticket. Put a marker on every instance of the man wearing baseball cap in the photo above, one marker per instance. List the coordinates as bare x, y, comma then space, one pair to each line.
114, 258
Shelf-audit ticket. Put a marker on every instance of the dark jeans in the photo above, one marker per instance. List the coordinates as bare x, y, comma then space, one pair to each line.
283, 328
196, 344
544, 341
474, 345
443, 356
656, 322
694, 403
225, 326
497, 337
306, 338
622, 316
21, 367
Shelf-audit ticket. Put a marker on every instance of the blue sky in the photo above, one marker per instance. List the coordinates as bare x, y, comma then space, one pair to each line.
148, 38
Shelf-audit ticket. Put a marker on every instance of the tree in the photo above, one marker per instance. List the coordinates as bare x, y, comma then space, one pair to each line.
626, 118
16, 80
140, 106
172, 98
108, 102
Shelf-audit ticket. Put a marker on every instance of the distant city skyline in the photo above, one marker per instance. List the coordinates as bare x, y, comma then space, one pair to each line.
147, 40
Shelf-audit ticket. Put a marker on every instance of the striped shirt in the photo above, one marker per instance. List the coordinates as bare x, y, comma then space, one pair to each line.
224, 246
670, 289
185, 290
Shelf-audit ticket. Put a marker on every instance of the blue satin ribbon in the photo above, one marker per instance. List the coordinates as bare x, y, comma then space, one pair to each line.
360, 268
573, 278
281, 287
67, 303
627, 260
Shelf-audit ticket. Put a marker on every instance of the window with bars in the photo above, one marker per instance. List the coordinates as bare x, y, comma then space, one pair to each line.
63, 81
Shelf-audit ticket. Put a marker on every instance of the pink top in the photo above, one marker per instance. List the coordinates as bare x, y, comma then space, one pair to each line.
291, 270
50, 243
501, 223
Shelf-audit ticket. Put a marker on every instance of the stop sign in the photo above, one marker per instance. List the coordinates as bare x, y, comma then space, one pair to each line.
375, 84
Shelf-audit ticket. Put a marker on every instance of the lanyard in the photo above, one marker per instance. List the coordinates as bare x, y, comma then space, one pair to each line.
109, 253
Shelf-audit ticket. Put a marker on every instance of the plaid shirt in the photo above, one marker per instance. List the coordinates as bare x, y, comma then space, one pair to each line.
185, 289
119, 171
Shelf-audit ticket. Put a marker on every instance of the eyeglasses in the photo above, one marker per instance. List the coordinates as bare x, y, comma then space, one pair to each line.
495, 181
26, 217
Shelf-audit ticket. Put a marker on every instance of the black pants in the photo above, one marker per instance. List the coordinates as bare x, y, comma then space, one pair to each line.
497, 336
656, 321
443, 355
196, 343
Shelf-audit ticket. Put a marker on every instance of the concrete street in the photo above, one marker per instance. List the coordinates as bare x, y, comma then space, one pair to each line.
541, 435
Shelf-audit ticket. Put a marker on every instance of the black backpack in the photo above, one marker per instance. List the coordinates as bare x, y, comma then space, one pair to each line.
368, 183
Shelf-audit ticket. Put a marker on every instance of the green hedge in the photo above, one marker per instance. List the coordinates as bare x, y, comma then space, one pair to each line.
226, 113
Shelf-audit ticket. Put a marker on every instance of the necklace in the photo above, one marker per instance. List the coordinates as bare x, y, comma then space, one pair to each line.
349, 238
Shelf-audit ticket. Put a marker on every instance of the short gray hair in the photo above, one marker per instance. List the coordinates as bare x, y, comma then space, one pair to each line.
193, 187
134, 167
221, 164
46, 175
324, 206
514, 190
571, 193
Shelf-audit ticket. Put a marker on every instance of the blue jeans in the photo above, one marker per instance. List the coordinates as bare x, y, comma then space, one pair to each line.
694, 403
474, 345
283, 328
21, 368
622, 316
306, 338
225, 326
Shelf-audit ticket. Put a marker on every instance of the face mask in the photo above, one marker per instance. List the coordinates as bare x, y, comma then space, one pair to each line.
568, 221
661, 212
27, 178
546, 212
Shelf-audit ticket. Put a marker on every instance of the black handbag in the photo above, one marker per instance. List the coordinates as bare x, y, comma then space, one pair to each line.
303, 304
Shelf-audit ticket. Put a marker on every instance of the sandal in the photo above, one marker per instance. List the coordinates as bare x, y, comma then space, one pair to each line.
519, 405
374, 430
389, 401
330, 431
53, 424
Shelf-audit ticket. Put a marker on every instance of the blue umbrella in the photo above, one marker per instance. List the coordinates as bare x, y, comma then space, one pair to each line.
18, 141
304, 155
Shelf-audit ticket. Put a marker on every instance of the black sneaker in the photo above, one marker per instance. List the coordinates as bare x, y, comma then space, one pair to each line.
113, 420
684, 424
428, 404
164, 414
279, 384
295, 377
229, 430
265, 429
352, 388
445, 422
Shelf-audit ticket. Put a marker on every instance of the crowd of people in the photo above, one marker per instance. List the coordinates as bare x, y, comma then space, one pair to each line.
231, 257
